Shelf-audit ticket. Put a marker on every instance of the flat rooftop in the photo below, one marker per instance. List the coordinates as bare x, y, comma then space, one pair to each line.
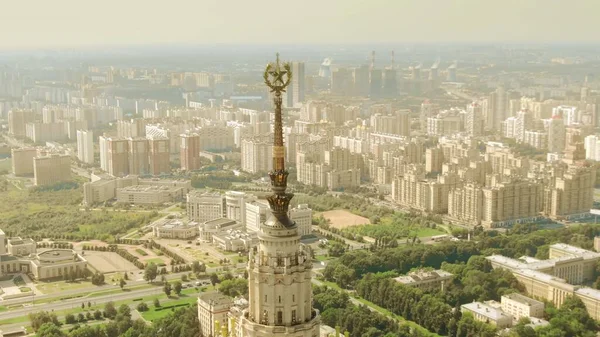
486, 310
522, 299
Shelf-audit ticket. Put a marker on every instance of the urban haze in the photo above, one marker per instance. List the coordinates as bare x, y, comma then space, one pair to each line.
307, 169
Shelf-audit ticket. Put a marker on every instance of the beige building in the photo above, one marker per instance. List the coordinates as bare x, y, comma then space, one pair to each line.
216, 226
114, 155
17, 119
256, 213
159, 161
557, 278
235, 240
52, 169
302, 216
22, 161
426, 280
189, 151
150, 194
20, 247
413, 190
212, 307
520, 306
138, 155
57, 263
434, 158
45, 132
510, 202
216, 138
102, 189
176, 229
132, 128
85, 146
205, 206
489, 314
572, 193
257, 153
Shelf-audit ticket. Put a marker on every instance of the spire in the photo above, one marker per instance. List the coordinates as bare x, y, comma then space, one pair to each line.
277, 77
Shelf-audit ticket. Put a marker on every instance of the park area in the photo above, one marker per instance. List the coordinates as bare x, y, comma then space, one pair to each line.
57, 214
341, 219
108, 262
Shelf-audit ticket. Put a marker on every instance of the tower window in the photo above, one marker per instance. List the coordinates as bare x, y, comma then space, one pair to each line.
293, 298
279, 299
293, 316
265, 298
279, 317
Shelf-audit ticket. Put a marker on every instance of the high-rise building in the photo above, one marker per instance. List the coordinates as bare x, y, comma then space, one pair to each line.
280, 268
159, 155
295, 92
390, 83
22, 161
138, 156
131, 128
257, 153
85, 146
52, 169
592, 147
376, 82
17, 119
114, 155
256, 213
474, 119
428, 110
361, 80
556, 134
302, 216
434, 158
190, 151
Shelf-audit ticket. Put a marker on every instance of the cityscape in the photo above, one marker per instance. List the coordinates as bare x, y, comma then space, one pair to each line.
317, 169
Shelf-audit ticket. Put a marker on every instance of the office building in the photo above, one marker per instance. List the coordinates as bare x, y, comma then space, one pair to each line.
213, 308
489, 314
202, 207
426, 280
51, 169
256, 213
176, 229
520, 306
85, 146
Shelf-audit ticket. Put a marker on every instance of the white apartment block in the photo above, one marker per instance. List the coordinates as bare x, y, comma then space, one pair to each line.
212, 307
85, 146
256, 213
257, 154
592, 147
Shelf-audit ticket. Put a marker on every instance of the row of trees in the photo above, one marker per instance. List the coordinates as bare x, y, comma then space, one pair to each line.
131, 258
182, 322
178, 259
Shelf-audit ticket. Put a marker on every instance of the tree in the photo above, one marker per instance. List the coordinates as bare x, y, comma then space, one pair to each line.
70, 319
40, 318
83, 306
109, 310
97, 315
156, 303
122, 283
142, 307
150, 272
234, 287
177, 287
49, 330
184, 278
98, 279
167, 289
336, 249
80, 318
125, 276
214, 278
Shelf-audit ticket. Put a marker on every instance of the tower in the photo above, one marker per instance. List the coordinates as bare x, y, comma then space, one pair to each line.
280, 268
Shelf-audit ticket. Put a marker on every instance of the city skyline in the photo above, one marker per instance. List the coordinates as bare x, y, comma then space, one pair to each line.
69, 23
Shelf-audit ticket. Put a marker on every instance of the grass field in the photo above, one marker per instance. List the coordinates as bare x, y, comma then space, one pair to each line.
156, 260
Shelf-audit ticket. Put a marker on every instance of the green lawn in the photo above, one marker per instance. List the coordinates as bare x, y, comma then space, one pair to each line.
424, 232
156, 261
165, 308
25, 289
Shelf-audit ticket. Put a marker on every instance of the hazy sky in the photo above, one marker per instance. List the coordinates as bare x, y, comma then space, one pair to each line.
53, 23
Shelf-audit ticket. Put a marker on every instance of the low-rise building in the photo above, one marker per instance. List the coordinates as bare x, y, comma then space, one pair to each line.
489, 314
520, 306
149, 194
20, 247
57, 263
302, 216
234, 240
426, 280
176, 229
212, 308
207, 229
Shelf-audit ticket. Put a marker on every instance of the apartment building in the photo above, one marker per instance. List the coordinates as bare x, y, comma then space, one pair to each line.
51, 169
